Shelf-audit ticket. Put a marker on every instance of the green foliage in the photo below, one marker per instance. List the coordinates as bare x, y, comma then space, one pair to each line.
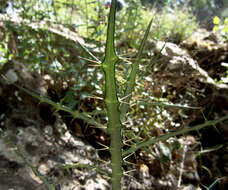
50, 54
33, 9
221, 26
89, 18
176, 26
5, 54
4, 57
173, 26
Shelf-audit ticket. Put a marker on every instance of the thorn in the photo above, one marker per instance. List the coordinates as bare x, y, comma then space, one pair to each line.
130, 163
106, 147
125, 142
94, 65
92, 61
105, 162
95, 97
127, 156
124, 98
96, 127
125, 173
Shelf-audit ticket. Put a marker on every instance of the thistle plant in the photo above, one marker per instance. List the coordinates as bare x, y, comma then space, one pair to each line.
115, 113
116, 109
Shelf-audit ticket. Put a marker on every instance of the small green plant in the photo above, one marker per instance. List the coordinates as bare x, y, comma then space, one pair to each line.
220, 26
175, 26
5, 56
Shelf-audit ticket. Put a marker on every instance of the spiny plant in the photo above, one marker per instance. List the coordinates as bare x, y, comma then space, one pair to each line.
116, 109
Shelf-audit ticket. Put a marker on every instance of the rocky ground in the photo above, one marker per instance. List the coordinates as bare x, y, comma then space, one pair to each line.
37, 146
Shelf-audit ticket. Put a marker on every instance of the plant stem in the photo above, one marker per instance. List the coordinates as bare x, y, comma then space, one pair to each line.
112, 103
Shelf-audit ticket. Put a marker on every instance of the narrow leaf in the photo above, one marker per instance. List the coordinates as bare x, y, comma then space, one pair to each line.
132, 78
75, 114
166, 104
182, 131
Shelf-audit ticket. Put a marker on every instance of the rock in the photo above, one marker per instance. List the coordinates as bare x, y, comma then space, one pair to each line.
46, 145
179, 78
209, 49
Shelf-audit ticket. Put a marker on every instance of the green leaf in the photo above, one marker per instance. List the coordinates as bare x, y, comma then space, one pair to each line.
58, 106
216, 20
132, 78
182, 131
226, 21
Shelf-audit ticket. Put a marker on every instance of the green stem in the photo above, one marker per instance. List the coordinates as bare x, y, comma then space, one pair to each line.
171, 134
112, 103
